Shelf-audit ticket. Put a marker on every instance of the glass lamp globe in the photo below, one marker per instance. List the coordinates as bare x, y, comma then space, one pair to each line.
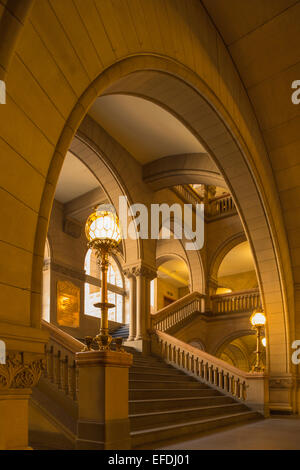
102, 228
258, 319
264, 341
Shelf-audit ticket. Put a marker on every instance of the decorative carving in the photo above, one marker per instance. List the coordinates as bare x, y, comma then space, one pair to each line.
17, 373
140, 270
72, 227
68, 304
281, 383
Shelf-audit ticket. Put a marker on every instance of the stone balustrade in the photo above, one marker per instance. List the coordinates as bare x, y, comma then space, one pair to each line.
60, 366
246, 387
242, 301
220, 206
178, 311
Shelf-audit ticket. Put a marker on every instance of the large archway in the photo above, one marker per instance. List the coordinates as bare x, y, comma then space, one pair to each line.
233, 164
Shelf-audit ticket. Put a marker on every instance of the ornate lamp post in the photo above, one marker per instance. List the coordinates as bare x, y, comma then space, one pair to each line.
258, 321
103, 233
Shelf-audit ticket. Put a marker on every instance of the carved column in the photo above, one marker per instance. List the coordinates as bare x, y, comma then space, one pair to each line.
18, 375
132, 303
144, 275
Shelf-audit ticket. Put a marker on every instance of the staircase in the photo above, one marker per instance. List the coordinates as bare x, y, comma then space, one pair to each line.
122, 332
164, 402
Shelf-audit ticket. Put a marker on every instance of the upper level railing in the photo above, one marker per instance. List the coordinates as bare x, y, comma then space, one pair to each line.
214, 208
210, 369
60, 360
178, 311
187, 193
242, 301
223, 205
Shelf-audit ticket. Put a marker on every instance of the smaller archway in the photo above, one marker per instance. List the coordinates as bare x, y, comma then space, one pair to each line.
172, 281
239, 351
236, 271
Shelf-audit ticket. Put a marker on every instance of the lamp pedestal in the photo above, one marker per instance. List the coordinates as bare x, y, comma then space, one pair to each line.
103, 421
103, 338
258, 367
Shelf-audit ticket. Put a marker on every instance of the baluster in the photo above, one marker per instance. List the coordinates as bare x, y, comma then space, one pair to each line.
221, 379
210, 374
232, 385
57, 376
65, 370
193, 364
50, 366
72, 380
244, 391
196, 367
226, 382
216, 376
237, 388
206, 371
178, 357
201, 370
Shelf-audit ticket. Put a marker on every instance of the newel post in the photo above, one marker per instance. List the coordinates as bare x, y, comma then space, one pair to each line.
257, 392
103, 421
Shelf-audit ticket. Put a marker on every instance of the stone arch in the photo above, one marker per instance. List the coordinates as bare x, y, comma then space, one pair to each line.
192, 257
225, 145
197, 343
221, 252
228, 339
110, 181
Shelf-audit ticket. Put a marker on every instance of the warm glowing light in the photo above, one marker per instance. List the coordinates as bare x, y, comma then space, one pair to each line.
264, 342
103, 225
258, 319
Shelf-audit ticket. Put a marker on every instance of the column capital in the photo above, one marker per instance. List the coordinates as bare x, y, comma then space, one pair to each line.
140, 269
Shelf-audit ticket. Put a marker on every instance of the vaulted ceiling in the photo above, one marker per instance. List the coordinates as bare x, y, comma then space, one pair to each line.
263, 39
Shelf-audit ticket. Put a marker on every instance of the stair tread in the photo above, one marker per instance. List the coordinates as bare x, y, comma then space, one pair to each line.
150, 400
163, 412
191, 423
162, 381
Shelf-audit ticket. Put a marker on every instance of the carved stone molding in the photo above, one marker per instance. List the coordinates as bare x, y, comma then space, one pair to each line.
66, 271
72, 227
20, 373
281, 383
140, 270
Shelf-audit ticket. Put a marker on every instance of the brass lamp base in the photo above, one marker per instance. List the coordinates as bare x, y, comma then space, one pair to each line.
103, 339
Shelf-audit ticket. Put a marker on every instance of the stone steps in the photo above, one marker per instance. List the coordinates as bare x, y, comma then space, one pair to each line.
158, 434
172, 393
154, 418
169, 404
165, 403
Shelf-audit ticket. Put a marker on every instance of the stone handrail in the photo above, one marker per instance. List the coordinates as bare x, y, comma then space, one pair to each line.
246, 387
242, 301
60, 360
178, 311
188, 194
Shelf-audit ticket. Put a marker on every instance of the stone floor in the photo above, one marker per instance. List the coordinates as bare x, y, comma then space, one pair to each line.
269, 434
